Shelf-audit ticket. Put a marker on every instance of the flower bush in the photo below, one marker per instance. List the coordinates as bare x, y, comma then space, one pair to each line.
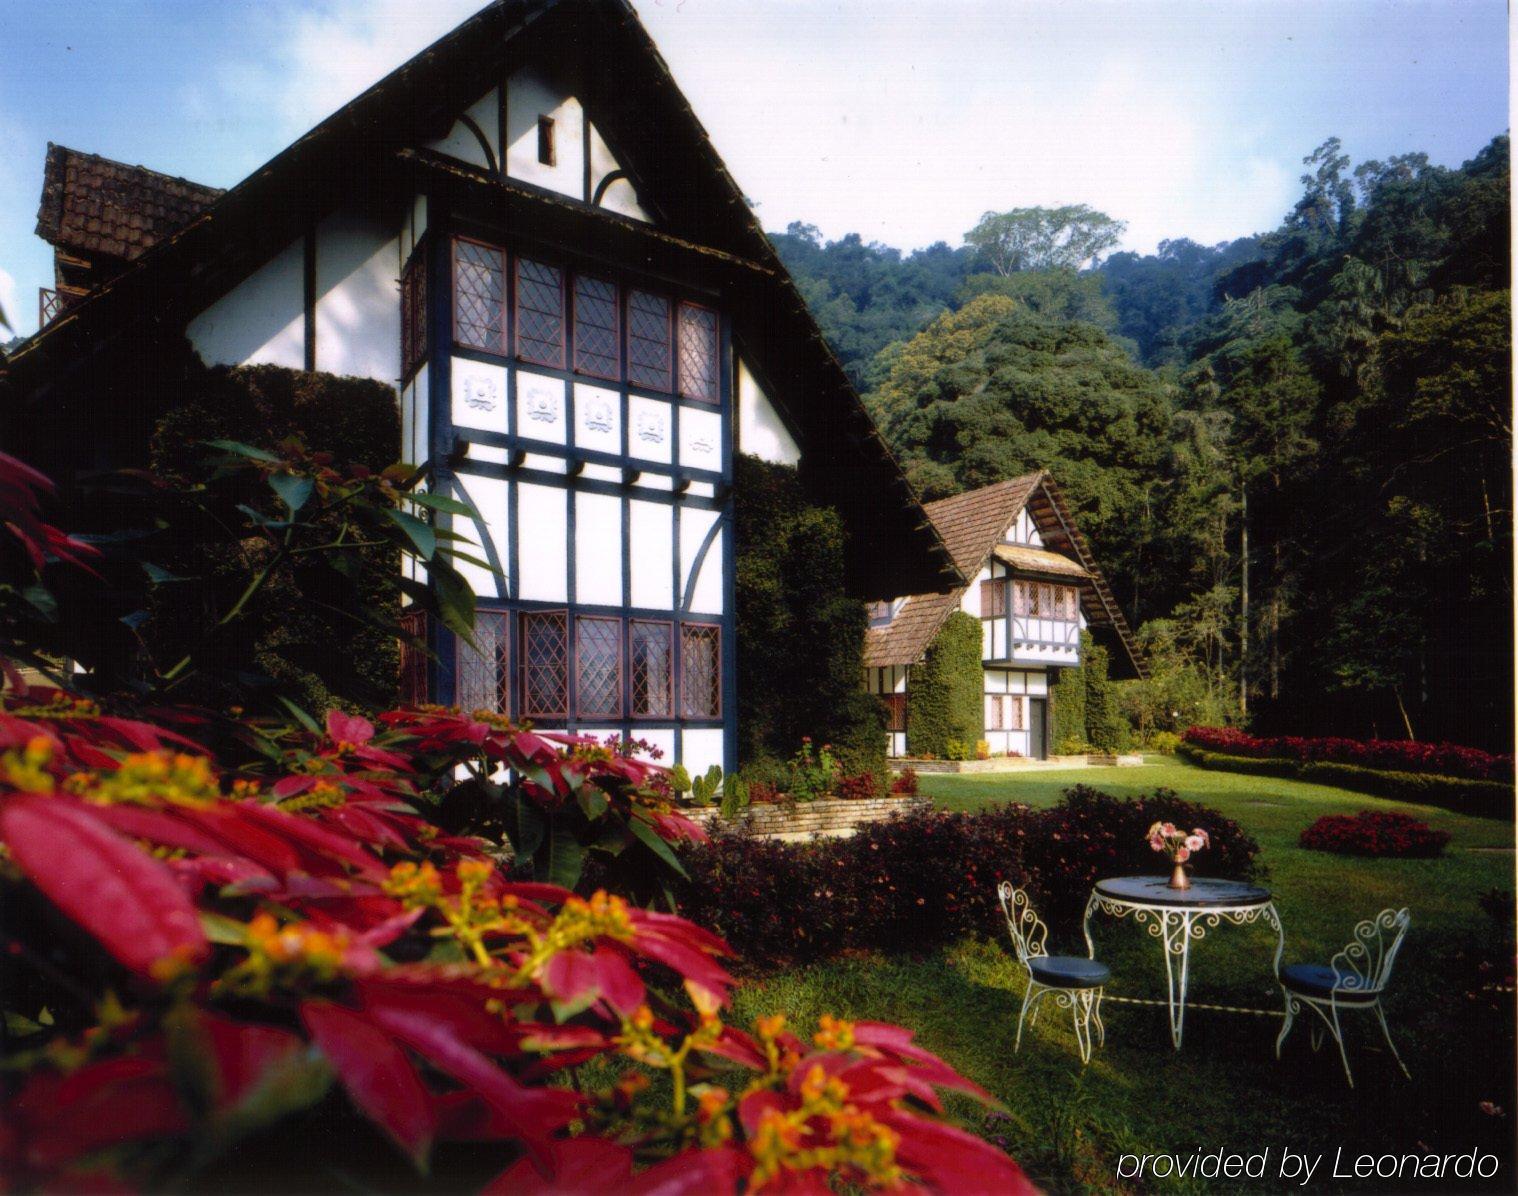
1375, 833
917, 881
861, 787
906, 782
1399, 755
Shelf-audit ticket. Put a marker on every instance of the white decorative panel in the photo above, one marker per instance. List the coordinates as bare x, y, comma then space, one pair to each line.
987, 641
619, 196
413, 225
542, 525
260, 321
598, 549
998, 639
479, 395
651, 549
701, 440
694, 524
708, 594
358, 301
490, 497
598, 418
650, 429
461, 143
540, 407
700, 748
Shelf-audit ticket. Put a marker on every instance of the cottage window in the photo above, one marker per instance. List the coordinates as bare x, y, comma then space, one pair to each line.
545, 664
413, 314
598, 667
546, 153
1004, 712
880, 613
700, 670
596, 332
648, 355
896, 711
650, 667
479, 296
540, 313
699, 353
993, 599
480, 677
413, 658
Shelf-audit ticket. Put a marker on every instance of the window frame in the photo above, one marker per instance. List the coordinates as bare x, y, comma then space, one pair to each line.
620, 651
996, 588
717, 677
461, 649
896, 711
668, 714
714, 398
503, 342
616, 326
670, 306
414, 314
517, 259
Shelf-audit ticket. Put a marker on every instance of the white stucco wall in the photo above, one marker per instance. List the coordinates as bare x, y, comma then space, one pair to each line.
260, 321
530, 93
358, 306
761, 431
461, 142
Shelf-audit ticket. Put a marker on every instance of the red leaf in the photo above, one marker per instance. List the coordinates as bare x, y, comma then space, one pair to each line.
951, 1160
348, 728
579, 1166
693, 1173
376, 1073
245, 1052
105, 1103
126, 899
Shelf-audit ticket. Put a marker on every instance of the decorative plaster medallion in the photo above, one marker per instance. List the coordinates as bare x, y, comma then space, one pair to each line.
480, 392
598, 416
543, 408
651, 427
703, 445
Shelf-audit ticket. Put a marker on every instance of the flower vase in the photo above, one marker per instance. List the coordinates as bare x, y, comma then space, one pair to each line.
1178, 877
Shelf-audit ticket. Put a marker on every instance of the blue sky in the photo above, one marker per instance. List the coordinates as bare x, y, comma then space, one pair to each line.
903, 120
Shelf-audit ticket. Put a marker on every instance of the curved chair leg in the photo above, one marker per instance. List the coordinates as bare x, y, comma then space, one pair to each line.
1033, 1013
1286, 1028
1096, 1014
1080, 1008
1386, 1030
1021, 1017
1315, 1035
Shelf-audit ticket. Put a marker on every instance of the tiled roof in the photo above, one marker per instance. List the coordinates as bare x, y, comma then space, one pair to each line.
906, 637
971, 523
92, 205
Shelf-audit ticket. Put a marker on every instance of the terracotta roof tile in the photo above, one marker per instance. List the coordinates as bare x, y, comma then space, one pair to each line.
92, 205
971, 523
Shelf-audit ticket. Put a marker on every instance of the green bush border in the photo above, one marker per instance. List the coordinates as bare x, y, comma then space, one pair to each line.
1484, 799
945, 693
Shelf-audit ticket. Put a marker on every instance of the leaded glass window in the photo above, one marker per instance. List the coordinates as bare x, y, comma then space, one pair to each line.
993, 598
540, 312
479, 296
596, 349
481, 677
701, 670
699, 353
413, 314
648, 358
598, 667
545, 663
650, 667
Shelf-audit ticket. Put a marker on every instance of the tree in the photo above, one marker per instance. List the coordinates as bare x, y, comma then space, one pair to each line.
1066, 238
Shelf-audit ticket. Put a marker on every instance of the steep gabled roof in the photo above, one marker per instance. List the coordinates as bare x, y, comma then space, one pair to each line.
361, 151
972, 525
93, 205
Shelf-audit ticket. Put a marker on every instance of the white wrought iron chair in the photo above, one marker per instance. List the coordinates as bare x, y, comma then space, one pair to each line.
1353, 980
1072, 980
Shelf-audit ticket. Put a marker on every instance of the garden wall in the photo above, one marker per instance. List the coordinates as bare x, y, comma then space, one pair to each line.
826, 816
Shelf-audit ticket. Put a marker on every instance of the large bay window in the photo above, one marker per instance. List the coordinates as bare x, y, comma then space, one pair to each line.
1044, 600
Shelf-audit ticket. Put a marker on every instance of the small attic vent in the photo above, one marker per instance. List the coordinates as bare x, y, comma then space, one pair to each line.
545, 140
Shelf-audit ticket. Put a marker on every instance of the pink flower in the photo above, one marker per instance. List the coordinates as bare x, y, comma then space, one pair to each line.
1157, 843
1182, 855
1194, 843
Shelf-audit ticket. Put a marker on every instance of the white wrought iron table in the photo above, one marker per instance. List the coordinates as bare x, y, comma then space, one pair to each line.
1176, 916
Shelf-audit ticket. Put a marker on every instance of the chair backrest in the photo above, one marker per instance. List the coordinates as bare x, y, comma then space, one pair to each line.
1029, 934
1365, 966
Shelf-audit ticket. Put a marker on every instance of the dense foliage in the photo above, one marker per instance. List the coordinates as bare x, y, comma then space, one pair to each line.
1375, 833
944, 692
800, 637
1444, 759
920, 880
1275, 445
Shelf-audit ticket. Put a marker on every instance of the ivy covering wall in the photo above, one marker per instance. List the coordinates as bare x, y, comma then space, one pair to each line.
945, 705
309, 632
1067, 706
800, 636
1106, 728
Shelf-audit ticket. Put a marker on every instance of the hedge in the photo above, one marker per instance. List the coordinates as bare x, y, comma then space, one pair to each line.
945, 693
1391, 755
1106, 729
800, 636
1485, 799
1067, 706
919, 881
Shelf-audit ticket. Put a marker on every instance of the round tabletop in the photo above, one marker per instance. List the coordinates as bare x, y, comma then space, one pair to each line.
1204, 893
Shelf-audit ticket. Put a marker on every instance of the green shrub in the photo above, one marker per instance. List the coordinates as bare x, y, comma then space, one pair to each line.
945, 691
814, 771
800, 636
734, 797
1067, 707
1106, 728
1490, 799
1164, 742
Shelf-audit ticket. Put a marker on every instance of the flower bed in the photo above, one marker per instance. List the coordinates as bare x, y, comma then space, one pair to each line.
1372, 833
1391, 755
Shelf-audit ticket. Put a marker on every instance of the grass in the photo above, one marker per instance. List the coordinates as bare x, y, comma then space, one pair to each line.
1069, 1125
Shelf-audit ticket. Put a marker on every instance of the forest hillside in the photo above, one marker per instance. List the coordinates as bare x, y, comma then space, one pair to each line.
1291, 451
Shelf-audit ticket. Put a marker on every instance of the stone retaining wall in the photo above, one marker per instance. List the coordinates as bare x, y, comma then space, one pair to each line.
995, 764
826, 816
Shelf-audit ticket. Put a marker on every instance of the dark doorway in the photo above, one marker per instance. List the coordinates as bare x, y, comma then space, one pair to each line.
1038, 742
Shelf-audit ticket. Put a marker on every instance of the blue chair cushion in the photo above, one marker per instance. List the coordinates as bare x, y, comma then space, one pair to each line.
1316, 980
1069, 971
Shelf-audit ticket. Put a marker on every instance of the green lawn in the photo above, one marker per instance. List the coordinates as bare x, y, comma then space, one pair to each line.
1225, 1089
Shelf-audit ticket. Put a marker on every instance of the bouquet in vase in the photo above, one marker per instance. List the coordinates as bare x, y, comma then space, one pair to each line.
1180, 846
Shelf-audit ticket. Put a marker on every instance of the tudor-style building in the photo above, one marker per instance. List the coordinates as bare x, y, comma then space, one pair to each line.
527, 232
1032, 582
